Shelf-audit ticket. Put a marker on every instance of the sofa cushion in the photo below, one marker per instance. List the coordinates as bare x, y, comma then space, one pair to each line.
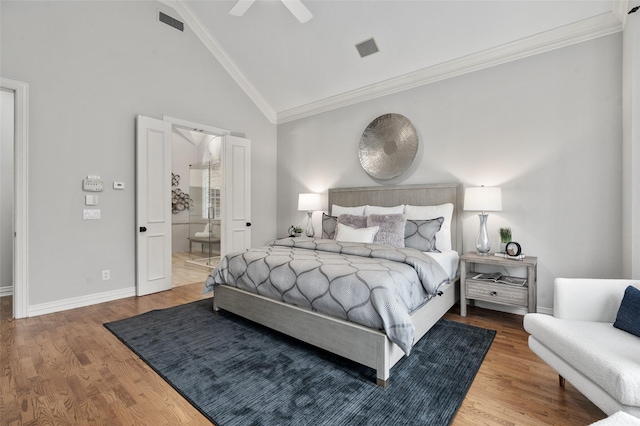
628, 318
608, 356
619, 418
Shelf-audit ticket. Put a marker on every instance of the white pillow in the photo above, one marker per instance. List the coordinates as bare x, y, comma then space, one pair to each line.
369, 210
352, 235
443, 236
338, 210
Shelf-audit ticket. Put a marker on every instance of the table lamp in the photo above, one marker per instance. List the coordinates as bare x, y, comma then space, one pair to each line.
309, 203
483, 199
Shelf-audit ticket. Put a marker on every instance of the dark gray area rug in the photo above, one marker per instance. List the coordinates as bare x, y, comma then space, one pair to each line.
237, 372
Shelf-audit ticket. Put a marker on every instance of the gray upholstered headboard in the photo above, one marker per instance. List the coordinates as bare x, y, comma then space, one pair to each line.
416, 195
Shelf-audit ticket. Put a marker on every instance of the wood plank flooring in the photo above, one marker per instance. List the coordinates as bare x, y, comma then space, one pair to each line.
67, 369
185, 271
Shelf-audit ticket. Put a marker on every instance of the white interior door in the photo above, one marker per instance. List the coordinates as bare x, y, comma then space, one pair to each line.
153, 205
236, 198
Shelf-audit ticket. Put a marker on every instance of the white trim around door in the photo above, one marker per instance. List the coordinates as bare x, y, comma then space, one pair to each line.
21, 201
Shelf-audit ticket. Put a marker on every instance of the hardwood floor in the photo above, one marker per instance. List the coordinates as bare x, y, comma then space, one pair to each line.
185, 271
66, 368
515, 387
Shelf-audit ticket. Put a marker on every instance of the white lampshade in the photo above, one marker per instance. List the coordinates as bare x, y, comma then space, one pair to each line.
483, 199
309, 202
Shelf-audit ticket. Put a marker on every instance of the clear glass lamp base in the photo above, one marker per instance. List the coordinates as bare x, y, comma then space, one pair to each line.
483, 242
310, 232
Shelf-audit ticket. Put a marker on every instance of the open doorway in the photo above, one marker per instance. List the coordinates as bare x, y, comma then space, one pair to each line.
7, 187
15, 118
196, 200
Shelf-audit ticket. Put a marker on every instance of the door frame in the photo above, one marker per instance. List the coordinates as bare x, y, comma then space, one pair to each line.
195, 126
21, 196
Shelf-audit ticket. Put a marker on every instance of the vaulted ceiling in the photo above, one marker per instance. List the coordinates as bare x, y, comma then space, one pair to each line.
292, 70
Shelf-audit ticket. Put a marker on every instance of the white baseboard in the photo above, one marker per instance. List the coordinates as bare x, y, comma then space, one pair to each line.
79, 302
6, 291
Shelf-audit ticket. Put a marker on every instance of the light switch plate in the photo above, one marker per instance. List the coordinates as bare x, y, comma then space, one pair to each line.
91, 214
91, 200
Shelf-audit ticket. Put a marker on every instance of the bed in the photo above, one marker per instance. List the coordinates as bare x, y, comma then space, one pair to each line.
370, 346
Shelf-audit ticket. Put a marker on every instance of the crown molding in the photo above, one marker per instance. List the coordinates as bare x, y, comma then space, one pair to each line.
222, 56
587, 29
620, 8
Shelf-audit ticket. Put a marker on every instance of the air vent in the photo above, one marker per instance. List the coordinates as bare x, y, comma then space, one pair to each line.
367, 47
172, 22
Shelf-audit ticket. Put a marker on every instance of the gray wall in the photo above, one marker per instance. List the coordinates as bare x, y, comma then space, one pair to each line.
91, 68
546, 129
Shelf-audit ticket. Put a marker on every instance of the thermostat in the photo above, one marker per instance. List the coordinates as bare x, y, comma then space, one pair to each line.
93, 185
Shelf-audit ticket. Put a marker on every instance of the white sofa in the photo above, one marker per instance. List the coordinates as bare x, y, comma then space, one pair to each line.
581, 344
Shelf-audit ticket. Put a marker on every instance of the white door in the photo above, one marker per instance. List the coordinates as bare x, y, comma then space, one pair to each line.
236, 196
153, 205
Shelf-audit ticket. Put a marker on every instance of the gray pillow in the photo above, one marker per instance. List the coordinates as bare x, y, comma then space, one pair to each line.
421, 234
329, 224
353, 221
392, 228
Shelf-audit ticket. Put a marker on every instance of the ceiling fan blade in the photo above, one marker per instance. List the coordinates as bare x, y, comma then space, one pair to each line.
298, 10
241, 7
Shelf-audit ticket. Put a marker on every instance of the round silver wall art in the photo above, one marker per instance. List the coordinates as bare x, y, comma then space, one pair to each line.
388, 146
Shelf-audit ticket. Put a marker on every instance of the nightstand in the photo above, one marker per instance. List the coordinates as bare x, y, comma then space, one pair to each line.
495, 292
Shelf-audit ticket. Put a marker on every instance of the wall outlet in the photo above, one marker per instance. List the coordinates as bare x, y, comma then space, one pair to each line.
106, 274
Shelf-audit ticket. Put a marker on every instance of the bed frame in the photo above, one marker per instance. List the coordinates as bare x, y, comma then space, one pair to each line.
361, 344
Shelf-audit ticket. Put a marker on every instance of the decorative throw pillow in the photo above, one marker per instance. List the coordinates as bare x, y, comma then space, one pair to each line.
421, 234
353, 221
628, 318
328, 226
338, 210
432, 212
391, 230
362, 235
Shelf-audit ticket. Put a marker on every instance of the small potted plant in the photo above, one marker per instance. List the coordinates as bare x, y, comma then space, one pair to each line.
505, 237
295, 231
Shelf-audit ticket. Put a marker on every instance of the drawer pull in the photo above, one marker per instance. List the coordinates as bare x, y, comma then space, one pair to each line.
494, 293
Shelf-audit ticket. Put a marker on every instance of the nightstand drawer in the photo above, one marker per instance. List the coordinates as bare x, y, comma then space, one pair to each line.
499, 293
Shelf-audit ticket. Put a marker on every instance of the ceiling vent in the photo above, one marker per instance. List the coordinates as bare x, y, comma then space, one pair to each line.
172, 22
367, 47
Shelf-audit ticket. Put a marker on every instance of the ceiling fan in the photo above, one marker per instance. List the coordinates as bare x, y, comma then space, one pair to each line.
296, 7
